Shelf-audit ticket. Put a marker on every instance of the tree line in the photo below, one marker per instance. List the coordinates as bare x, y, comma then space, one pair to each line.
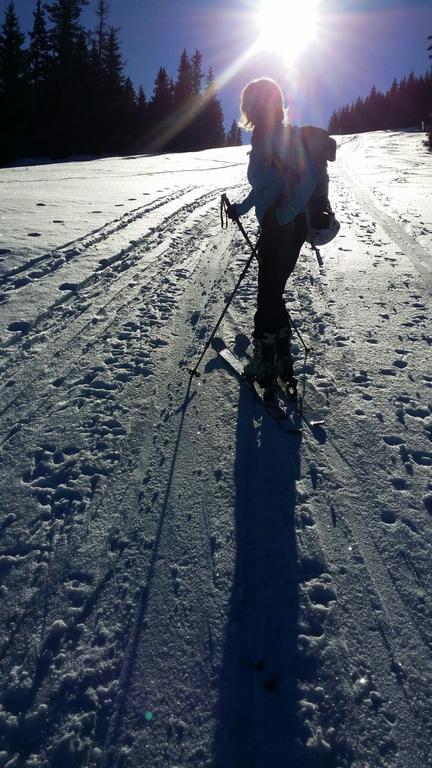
407, 104
66, 92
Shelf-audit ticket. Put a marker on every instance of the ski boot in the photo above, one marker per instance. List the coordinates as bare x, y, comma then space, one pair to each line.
262, 366
285, 367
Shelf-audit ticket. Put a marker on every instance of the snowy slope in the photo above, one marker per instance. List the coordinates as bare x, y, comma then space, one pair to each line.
182, 583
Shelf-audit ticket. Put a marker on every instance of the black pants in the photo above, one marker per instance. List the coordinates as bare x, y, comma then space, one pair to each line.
278, 251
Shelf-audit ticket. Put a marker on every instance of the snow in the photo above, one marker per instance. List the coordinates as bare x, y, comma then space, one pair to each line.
183, 583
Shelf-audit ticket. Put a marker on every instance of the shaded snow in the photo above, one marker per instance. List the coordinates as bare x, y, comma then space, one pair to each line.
183, 583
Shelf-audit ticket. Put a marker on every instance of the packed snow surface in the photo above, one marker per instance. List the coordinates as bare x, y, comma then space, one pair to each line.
182, 582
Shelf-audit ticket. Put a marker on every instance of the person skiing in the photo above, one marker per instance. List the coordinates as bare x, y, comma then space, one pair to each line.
288, 174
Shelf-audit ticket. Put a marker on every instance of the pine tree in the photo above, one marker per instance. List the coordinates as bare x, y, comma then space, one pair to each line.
112, 63
66, 30
197, 73
234, 136
39, 61
94, 59
212, 119
142, 114
371, 122
12, 56
39, 53
141, 100
96, 101
161, 104
183, 131
128, 113
102, 13
115, 98
393, 106
194, 133
68, 92
184, 86
130, 97
334, 123
13, 87
97, 82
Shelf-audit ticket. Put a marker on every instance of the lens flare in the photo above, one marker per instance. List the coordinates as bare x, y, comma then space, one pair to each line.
287, 26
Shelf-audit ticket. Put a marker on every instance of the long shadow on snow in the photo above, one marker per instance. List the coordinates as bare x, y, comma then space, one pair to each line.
257, 710
111, 757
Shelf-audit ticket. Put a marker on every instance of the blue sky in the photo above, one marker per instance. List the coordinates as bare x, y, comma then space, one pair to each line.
360, 43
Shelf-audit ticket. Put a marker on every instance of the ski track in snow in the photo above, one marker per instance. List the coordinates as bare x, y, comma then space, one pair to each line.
182, 583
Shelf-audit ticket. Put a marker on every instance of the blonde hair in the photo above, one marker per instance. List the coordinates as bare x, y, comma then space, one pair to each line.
261, 101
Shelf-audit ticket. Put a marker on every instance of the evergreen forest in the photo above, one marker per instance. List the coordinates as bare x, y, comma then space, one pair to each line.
408, 104
66, 93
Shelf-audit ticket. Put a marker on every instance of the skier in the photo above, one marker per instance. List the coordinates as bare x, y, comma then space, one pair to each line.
288, 174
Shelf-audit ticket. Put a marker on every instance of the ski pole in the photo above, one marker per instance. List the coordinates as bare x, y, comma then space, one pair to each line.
311, 238
225, 206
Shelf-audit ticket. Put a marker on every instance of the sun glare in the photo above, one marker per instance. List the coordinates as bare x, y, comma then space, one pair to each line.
287, 26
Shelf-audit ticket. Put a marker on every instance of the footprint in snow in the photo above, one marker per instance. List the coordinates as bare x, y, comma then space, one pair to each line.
422, 458
341, 340
393, 440
418, 412
361, 378
399, 483
77, 588
321, 594
20, 325
388, 517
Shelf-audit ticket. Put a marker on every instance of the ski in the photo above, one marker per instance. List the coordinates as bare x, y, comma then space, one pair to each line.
310, 418
288, 420
290, 414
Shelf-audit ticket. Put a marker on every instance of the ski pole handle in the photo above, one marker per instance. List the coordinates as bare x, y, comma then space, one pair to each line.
223, 212
225, 205
227, 211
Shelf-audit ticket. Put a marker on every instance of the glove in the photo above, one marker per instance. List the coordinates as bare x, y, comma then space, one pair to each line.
231, 212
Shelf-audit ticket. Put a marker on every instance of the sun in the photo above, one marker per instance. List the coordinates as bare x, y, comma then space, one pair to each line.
287, 26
